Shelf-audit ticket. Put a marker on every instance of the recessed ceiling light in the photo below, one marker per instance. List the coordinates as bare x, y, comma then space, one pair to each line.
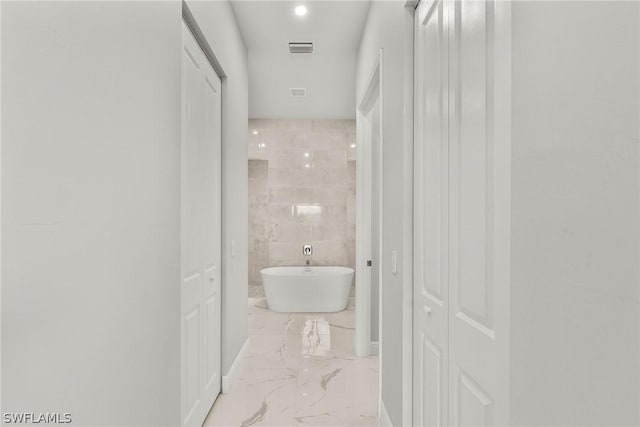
307, 165
255, 132
301, 10
306, 154
353, 145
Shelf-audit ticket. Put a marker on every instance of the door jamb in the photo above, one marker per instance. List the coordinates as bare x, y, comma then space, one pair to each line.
192, 25
408, 214
364, 184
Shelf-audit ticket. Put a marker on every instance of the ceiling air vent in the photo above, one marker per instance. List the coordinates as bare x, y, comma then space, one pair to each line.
297, 92
300, 47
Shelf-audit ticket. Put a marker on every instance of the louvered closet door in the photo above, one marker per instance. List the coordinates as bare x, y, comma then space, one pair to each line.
200, 233
479, 213
431, 292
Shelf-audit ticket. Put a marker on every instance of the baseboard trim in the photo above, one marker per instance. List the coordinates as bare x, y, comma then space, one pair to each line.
375, 348
227, 380
385, 421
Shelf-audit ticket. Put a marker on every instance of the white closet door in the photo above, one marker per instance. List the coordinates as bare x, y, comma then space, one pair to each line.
431, 293
479, 212
212, 232
200, 233
191, 253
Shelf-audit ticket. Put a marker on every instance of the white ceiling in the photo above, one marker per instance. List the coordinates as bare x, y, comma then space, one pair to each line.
328, 73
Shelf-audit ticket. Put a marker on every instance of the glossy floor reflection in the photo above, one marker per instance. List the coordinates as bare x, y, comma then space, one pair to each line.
300, 370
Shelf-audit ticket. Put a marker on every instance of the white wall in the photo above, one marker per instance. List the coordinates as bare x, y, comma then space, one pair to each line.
328, 77
91, 110
218, 23
385, 28
575, 299
90, 210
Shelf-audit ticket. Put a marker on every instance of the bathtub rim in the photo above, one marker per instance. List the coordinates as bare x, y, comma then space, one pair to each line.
315, 270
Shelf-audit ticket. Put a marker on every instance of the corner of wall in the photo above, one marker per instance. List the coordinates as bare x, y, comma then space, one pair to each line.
385, 29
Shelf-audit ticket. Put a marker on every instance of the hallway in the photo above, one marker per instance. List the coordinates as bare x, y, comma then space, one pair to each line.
389, 213
300, 369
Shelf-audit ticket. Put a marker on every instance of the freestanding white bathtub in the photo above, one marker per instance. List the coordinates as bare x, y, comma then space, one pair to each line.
307, 289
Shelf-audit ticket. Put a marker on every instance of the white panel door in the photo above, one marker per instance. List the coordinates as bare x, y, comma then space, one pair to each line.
191, 252
431, 291
479, 212
212, 232
200, 233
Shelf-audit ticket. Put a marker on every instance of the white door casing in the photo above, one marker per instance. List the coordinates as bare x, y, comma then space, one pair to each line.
200, 233
363, 239
462, 213
368, 198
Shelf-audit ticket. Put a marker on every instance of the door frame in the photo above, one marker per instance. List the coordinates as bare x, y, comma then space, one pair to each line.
408, 215
364, 190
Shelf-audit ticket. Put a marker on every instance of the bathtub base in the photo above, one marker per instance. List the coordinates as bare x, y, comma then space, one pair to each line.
307, 289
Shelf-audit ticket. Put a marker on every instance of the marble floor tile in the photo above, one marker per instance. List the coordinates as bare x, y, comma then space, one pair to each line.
300, 370
340, 393
352, 416
265, 323
272, 351
259, 397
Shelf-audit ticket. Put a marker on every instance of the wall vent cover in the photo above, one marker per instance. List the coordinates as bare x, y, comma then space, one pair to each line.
297, 92
300, 47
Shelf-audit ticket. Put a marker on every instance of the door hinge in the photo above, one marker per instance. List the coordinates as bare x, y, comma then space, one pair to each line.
369, 263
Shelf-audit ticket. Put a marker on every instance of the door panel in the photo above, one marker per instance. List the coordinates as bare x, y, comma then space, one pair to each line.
192, 322
471, 168
212, 346
475, 407
431, 217
431, 384
200, 233
479, 191
192, 276
212, 231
